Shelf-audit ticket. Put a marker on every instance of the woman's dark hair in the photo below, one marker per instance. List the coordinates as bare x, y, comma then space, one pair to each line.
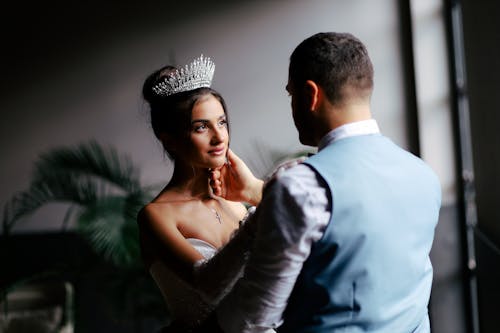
171, 115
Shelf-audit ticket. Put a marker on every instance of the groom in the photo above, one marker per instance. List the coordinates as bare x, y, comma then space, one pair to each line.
343, 239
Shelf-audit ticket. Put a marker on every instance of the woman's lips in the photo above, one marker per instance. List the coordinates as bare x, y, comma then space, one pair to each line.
217, 151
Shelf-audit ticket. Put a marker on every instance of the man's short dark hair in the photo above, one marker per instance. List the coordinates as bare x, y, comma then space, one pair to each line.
338, 62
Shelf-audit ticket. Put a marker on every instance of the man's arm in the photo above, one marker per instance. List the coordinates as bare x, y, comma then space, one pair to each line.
293, 213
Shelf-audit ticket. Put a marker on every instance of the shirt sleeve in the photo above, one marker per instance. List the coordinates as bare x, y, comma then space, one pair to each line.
292, 215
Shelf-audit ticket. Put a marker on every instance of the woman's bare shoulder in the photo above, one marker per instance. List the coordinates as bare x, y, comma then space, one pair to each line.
159, 225
156, 212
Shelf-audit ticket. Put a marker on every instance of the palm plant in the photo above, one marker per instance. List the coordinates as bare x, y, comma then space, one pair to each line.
102, 189
104, 194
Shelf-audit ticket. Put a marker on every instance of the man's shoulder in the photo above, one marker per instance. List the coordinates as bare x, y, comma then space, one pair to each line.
295, 176
288, 168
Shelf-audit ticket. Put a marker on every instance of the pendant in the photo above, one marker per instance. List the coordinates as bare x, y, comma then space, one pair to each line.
217, 216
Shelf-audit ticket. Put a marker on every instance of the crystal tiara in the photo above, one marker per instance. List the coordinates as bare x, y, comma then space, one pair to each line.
197, 74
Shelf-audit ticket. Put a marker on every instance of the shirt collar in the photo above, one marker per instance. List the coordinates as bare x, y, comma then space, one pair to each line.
362, 127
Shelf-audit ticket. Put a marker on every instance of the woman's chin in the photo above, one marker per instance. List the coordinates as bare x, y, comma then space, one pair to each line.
217, 163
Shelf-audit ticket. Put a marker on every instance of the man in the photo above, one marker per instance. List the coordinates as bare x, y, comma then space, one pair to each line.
343, 238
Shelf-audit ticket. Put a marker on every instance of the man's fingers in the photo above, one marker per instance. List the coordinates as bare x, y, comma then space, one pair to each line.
215, 184
232, 158
214, 174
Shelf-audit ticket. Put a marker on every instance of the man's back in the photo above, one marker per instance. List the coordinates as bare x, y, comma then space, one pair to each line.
371, 271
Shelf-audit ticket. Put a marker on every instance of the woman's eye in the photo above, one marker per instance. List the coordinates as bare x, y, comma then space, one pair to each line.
223, 122
200, 128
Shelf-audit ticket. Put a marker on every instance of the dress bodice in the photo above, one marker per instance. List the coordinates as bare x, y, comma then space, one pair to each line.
184, 303
214, 276
207, 250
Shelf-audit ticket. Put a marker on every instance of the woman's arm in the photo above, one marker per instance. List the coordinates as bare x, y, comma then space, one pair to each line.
216, 276
161, 238
211, 278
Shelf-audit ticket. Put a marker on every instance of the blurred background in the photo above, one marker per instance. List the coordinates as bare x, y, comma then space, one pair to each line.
79, 155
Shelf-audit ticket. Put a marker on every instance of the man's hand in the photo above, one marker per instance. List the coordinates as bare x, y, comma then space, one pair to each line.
234, 181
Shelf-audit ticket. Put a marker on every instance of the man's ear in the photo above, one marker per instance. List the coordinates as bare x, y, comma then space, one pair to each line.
313, 95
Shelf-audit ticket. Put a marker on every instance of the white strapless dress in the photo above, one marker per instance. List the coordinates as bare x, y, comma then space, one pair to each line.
214, 276
184, 302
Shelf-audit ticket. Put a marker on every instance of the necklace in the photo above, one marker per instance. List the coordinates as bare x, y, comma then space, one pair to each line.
213, 210
217, 215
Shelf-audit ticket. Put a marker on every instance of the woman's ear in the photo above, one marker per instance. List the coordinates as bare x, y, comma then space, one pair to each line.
313, 95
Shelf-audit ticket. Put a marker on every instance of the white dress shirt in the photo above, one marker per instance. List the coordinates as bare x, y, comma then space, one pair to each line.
293, 214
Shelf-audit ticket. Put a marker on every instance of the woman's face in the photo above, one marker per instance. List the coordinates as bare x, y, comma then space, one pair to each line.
208, 134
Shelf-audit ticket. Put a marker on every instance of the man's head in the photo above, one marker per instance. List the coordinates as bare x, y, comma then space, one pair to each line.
335, 63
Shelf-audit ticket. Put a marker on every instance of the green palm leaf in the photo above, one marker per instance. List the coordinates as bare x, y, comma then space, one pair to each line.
55, 187
104, 193
111, 232
90, 159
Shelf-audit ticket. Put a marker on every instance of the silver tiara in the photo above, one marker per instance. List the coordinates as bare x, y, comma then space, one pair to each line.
197, 74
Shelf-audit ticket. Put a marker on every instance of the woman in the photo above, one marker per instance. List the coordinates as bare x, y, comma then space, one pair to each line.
185, 224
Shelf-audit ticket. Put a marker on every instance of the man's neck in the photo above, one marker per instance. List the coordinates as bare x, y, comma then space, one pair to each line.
363, 127
335, 117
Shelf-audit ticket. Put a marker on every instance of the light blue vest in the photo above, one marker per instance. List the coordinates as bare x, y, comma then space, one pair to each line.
371, 270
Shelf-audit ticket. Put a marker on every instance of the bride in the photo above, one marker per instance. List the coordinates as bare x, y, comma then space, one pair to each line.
191, 240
